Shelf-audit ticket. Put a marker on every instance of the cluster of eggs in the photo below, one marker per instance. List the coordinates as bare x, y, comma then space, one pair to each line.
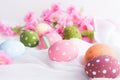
101, 62
100, 59
41, 37
44, 36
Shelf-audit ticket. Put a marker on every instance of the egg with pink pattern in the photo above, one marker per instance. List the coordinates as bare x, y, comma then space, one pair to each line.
63, 51
103, 66
48, 39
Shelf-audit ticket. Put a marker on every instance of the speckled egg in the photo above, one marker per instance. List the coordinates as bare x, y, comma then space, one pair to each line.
42, 28
12, 48
103, 66
103, 79
97, 50
63, 51
71, 32
29, 38
47, 40
4, 59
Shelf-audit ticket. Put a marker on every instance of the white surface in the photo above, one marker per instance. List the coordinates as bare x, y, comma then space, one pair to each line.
108, 33
36, 65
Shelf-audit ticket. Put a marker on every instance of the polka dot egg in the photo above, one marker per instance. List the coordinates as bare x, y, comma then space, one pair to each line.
97, 50
47, 40
29, 38
63, 51
103, 66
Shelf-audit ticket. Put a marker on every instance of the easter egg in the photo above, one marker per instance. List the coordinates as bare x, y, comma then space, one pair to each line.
12, 48
47, 40
97, 50
103, 66
4, 59
42, 28
63, 51
29, 38
71, 32
102, 79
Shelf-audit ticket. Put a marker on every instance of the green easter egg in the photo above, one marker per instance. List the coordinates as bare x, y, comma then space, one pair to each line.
71, 32
29, 38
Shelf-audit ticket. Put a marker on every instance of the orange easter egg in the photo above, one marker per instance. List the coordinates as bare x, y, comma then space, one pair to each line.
97, 50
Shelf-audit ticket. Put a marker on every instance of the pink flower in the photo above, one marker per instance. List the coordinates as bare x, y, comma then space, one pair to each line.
82, 27
30, 27
51, 15
59, 29
30, 18
31, 21
6, 30
54, 17
55, 8
45, 14
77, 18
1, 27
62, 21
90, 23
87, 24
69, 21
71, 10
4, 59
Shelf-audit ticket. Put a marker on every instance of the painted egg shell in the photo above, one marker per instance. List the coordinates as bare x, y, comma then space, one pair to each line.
4, 59
103, 66
102, 79
47, 40
29, 38
71, 32
12, 48
42, 28
63, 51
97, 50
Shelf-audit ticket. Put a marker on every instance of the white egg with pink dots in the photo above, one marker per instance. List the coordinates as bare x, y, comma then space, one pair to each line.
63, 51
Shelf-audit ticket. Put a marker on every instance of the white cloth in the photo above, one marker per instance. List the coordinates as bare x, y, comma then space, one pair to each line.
36, 65
108, 33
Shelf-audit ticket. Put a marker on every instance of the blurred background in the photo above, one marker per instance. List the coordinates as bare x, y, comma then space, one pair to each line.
13, 11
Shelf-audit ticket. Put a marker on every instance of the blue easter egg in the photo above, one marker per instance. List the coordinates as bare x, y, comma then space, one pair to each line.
13, 48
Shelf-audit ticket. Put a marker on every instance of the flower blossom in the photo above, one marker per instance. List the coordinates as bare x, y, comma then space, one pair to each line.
6, 30
31, 21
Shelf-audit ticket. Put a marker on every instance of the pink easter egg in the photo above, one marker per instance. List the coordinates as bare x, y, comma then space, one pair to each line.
47, 40
4, 59
103, 66
63, 51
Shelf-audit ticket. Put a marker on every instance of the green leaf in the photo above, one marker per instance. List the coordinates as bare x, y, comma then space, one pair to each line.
18, 30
